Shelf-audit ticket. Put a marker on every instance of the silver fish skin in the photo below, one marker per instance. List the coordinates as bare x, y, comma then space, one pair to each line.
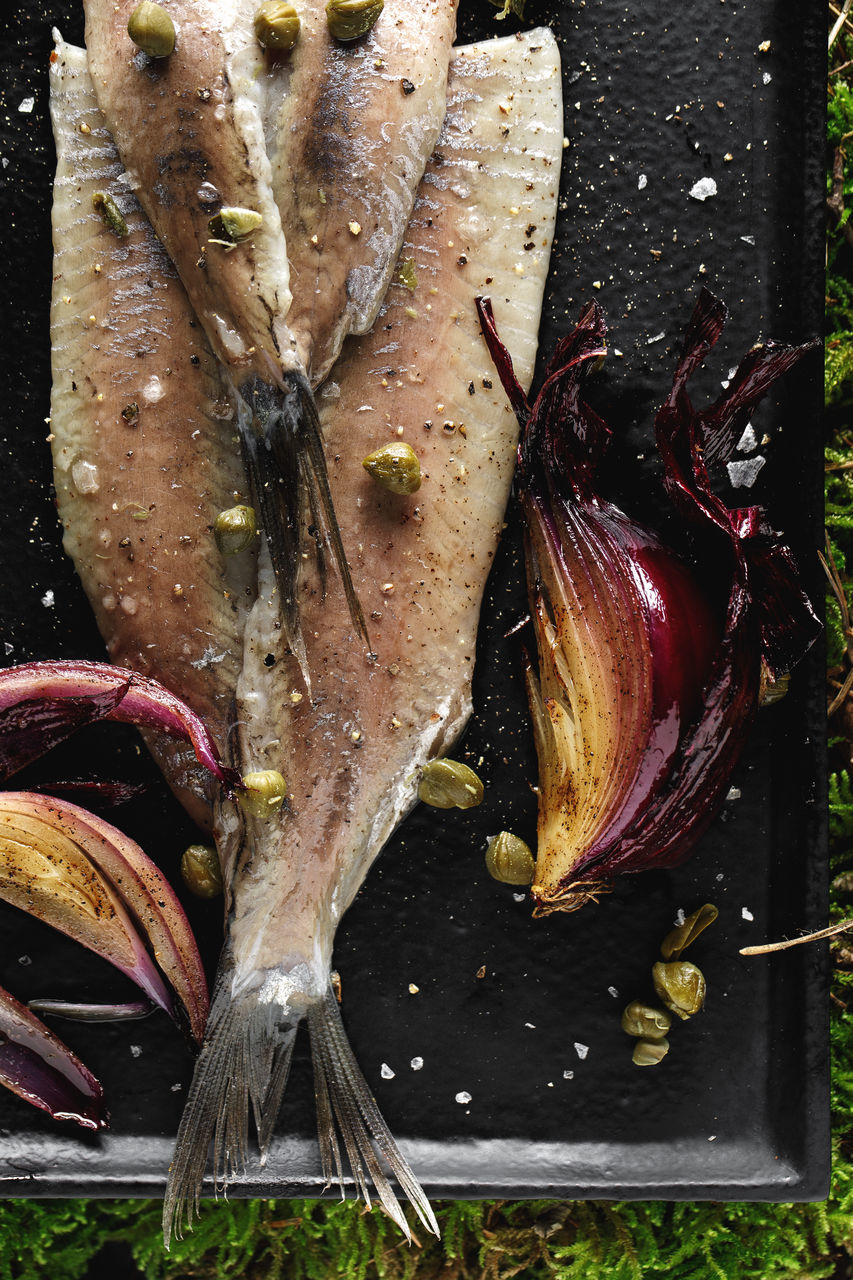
348, 149
190, 131
143, 439
352, 753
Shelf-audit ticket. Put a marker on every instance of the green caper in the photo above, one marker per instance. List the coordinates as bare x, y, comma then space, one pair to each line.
235, 530
683, 934
648, 1053
201, 871
351, 19
232, 224
395, 467
449, 784
261, 794
509, 859
680, 986
277, 26
645, 1020
110, 214
151, 28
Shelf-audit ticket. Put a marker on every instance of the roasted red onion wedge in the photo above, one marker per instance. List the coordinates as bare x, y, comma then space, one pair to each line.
39, 1068
42, 703
84, 877
646, 684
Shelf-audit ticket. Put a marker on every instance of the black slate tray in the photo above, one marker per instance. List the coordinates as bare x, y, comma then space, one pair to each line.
656, 99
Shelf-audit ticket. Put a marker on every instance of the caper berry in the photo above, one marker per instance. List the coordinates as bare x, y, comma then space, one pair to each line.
111, 215
648, 1053
646, 1021
151, 28
277, 26
235, 530
395, 467
232, 224
351, 19
261, 794
680, 985
509, 859
449, 784
201, 871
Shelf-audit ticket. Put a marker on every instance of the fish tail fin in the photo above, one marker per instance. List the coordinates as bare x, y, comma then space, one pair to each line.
245, 1059
282, 446
345, 1104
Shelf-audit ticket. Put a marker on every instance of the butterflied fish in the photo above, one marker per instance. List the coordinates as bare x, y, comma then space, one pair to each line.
352, 752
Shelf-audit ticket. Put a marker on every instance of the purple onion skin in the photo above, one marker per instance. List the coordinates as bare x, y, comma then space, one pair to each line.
767, 616
42, 703
38, 1067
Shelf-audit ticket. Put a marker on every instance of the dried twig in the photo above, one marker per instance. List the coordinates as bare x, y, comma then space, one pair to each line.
764, 948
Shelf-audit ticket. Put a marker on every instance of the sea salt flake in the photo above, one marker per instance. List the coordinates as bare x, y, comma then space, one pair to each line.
136, 1050
747, 442
416, 1064
176, 1088
733, 793
642, 182
48, 599
26, 106
24, 960
8, 648
703, 189
766, 78
386, 1072
743, 472
462, 1097
748, 240
656, 337
581, 1050
746, 914
612, 991
679, 916
519, 897
531, 1026
568, 1075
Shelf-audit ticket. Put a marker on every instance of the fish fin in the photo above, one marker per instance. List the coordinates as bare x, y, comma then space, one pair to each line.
344, 1100
283, 451
245, 1058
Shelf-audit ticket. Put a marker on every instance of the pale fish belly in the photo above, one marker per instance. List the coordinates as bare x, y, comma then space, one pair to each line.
142, 434
351, 753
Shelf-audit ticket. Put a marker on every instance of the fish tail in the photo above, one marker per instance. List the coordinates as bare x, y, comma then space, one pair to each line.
282, 447
245, 1059
345, 1104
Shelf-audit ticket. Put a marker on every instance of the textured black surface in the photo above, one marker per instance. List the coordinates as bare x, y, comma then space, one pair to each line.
656, 99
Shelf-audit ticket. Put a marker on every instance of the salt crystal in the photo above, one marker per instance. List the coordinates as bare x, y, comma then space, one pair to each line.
8, 648
519, 897
747, 442
531, 1026
679, 916
719, 876
568, 1075
766, 78
386, 1072
581, 1050
176, 1088
416, 1064
26, 106
656, 337
642, 182
713, 1138
733, 793
746, 914
48, 599
136, 1050
462, 1097
24, 960
704, 188
748, 239
743, 472
611, 991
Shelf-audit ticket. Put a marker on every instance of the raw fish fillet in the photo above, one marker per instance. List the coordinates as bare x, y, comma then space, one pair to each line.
351, 752
190, 129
